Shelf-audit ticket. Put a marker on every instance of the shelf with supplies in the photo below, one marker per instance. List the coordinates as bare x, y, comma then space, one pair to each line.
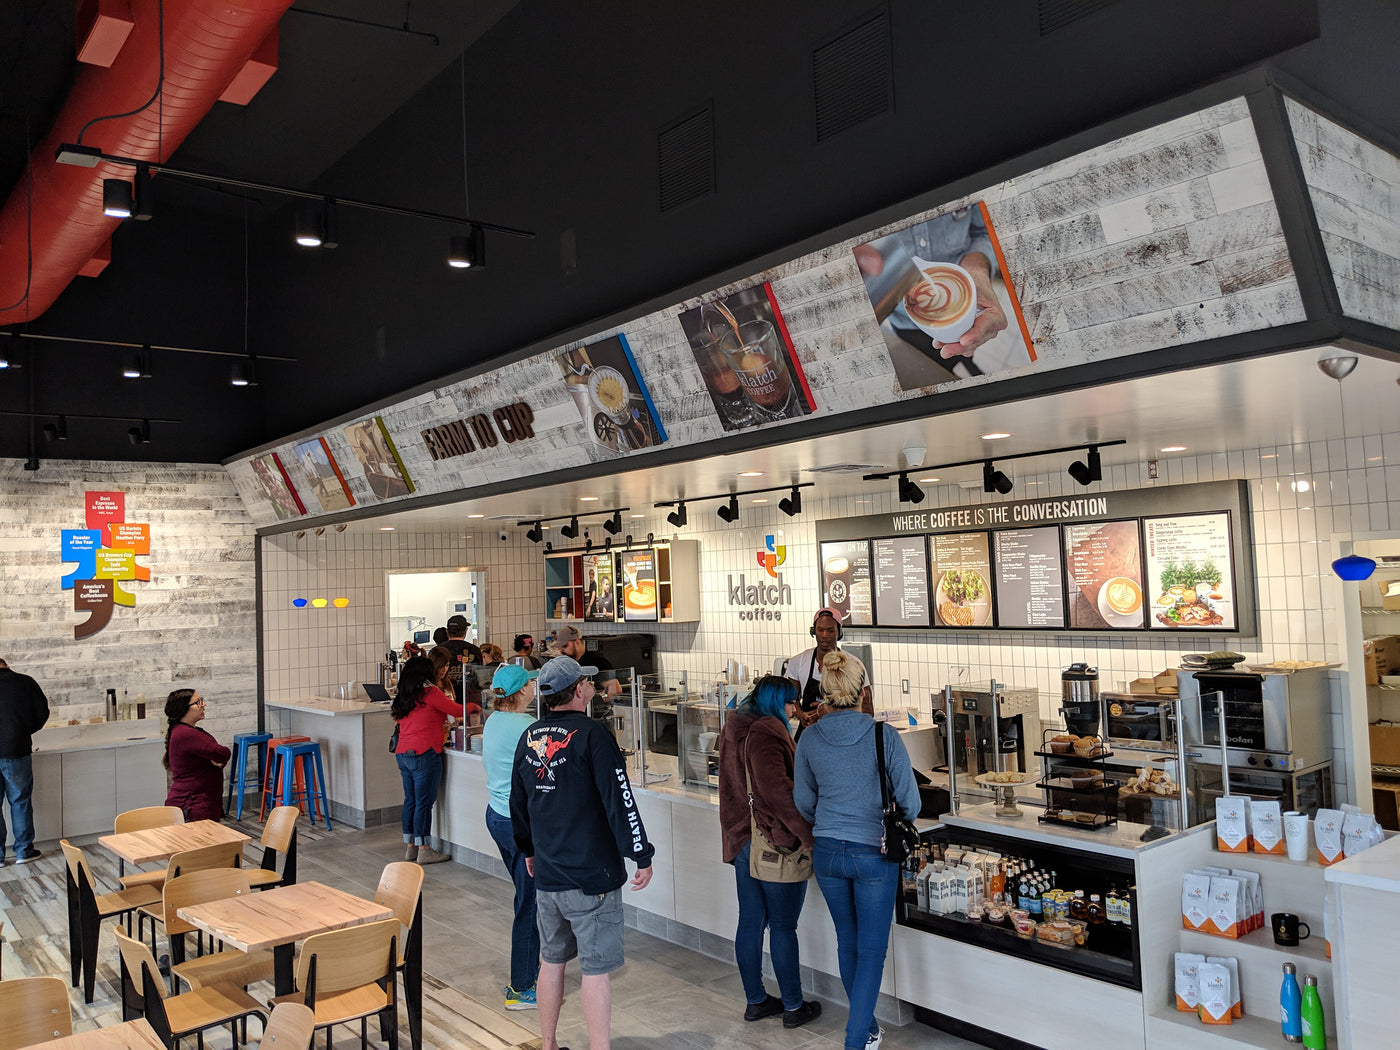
655, 583
1079, 792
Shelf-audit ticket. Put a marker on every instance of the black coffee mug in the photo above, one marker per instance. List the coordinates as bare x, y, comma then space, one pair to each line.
1285, 926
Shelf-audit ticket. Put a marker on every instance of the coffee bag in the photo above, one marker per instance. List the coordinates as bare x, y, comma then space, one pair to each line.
1233, 965
1195, 901
1225, 917
1266, 827
1232, 824
1188, 989
1327, 834
1216, 1006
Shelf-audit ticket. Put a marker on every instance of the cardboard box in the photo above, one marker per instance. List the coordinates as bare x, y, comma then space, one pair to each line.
1382, 655
1143, 686
1166, 682
1385, 800
1385, 743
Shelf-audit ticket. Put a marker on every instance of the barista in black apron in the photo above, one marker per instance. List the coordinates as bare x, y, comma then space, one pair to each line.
826, 629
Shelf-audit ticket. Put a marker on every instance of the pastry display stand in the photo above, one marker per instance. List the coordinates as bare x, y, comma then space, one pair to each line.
1088, 800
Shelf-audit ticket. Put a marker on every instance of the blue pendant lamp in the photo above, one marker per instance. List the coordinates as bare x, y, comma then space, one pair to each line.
1338, 366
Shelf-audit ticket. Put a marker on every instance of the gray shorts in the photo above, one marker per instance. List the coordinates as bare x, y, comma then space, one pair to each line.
587, 925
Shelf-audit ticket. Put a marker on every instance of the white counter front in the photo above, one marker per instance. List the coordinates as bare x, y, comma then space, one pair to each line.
106, 768
1366, 892
362, 778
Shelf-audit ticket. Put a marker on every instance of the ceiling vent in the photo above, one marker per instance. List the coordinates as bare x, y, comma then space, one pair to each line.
685, 158
1056, 14
852, 80
844, 468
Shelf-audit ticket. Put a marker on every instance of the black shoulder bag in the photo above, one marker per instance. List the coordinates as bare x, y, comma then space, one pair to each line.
900, 838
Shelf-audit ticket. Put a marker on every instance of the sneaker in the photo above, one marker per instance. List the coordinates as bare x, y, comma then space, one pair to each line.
808, 1011
410, 852
428, 855
758, 1011
873, 1043
521, 1000
28, 855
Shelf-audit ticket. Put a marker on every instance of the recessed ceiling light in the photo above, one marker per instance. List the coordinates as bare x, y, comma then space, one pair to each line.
1302, 485
927, 481
995, 435
1173, 448
588, 499
476, 515
1266, 455
760, 501
386, 528
638, 515
862, 501
1035, 483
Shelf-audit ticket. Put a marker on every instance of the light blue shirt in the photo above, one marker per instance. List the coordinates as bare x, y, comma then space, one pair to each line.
501, 733
835, 783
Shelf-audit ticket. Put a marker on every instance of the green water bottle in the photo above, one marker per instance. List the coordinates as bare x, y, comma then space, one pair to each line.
1314, 1028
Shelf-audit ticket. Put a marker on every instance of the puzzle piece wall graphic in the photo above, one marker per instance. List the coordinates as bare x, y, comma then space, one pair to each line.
105, 552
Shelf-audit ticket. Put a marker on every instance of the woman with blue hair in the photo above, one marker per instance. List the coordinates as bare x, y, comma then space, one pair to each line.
755, 769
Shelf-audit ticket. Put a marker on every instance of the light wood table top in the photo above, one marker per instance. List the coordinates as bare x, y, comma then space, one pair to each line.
258, 921
132, 1035
160, 844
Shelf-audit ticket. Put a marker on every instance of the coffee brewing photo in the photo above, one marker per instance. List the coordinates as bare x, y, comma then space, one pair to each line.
945, 309
746, 359
611, 399
378, 458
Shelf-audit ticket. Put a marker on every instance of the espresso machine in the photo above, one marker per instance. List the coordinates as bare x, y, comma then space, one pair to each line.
993, 730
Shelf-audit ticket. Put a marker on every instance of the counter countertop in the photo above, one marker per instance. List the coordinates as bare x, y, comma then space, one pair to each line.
1121, 840
94, 735
325, 705
1377, 868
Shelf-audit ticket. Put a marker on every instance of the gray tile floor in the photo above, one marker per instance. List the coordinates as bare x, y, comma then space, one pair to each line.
665, 996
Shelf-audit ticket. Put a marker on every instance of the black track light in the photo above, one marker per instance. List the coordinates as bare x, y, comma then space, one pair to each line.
570, 531
607, 544
994, 480
677, 517
318, 226
9, 343
244, 372
535, 534
587, 543
549, 546
792, 506
614, 524
56, 431
729, 512
118, 202
909, 492
628, 539
140, 435
467, 251
1086, 473
136, 364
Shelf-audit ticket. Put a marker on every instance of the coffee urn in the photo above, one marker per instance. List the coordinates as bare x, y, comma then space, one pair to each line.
1079, 700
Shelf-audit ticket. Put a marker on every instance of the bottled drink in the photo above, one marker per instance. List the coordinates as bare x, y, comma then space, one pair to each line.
1095, 913
1036, 904
1290, 1000
1314, 1033
1079, 907
1125, 908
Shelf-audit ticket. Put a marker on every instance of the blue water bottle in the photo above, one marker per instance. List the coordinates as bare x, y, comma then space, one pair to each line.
1291, 1004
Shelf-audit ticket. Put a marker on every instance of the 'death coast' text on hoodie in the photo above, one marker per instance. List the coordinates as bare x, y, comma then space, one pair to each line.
836, 782
572, 807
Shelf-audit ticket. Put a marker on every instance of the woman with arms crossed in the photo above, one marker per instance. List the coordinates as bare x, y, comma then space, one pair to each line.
195, 759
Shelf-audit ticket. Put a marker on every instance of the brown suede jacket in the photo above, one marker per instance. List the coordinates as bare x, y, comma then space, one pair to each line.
770, 751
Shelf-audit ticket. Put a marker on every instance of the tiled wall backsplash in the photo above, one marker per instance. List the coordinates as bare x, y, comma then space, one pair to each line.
1348, 487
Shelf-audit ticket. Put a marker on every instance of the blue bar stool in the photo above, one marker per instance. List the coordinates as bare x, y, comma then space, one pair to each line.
311, 772
238, 768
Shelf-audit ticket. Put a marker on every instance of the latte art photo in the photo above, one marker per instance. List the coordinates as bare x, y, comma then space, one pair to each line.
942, 298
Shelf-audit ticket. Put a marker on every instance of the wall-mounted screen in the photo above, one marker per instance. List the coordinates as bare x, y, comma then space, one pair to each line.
901, 581
962, 573
846, 581
1103, 569
1190, 574
1030, 582
639, 586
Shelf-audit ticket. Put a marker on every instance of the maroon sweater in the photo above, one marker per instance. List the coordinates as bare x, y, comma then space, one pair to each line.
196, 773
769, 750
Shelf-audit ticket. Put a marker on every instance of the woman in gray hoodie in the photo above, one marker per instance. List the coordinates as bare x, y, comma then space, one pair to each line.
836, 787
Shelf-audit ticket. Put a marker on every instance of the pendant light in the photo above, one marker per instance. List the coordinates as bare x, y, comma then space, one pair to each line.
1338, 366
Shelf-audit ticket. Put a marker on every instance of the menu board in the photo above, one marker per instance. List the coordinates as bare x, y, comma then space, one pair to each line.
846, 581
1103, 563
599, 592
962, 567
901, 581
1190, 578
1029, 578
639, 585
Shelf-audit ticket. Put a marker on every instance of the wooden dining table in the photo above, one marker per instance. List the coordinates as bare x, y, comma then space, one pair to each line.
160, 844
130, 1035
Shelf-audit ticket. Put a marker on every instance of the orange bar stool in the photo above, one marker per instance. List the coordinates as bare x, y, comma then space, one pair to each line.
303, 761
272, 774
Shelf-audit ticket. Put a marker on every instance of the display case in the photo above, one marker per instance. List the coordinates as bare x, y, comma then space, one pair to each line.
655, 583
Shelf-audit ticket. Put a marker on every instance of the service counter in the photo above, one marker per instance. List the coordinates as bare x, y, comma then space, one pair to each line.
362, 778
1366, 893
109, 767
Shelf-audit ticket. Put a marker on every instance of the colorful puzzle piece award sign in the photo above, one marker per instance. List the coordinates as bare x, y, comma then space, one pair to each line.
105, 552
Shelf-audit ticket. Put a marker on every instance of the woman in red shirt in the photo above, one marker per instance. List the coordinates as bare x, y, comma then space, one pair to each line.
421, 710
195, 759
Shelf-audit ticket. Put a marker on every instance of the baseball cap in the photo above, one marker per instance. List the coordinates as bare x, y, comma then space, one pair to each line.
566, 634
832, 613
561, 673
511, 678
457, 624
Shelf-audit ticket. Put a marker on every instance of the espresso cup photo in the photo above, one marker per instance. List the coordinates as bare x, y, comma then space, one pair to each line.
1286, 929
944, 301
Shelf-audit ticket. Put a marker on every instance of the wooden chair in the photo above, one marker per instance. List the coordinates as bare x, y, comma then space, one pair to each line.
348, 975
229, 966
210, 1006
279, 836
291, 1027
401, 888
33, 1010
87, 909
219, 855
140, 820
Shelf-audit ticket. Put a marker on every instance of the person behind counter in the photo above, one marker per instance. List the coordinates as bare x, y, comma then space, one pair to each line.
421, 710
836, 787
524, 646
755, 777
806, 668
491, 654
515, 689
195, 759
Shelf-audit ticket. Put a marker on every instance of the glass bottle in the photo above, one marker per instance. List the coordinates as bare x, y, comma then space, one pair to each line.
1095, 913
1125, 908
1079, 907
1036, 904
1111, 905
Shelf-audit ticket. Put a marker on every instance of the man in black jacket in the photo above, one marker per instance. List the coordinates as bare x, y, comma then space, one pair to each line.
575, 820
23, 712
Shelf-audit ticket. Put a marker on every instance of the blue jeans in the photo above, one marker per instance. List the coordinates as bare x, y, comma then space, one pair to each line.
17, 780
524, 933
776, 905
860, 887
422, 773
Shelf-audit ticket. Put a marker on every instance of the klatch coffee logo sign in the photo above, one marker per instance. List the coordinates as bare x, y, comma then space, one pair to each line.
756, 600
105, 553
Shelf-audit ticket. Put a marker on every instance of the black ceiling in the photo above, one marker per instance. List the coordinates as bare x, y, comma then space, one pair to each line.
564, 103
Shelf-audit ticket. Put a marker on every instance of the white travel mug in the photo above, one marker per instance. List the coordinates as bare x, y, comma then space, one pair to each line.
1295, 834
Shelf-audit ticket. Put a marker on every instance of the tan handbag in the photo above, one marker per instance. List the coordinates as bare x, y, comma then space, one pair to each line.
767, 862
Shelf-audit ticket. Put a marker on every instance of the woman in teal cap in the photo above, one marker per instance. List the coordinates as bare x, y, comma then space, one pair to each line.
514, 689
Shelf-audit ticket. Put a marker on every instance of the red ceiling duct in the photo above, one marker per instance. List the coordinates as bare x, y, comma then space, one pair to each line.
207, 44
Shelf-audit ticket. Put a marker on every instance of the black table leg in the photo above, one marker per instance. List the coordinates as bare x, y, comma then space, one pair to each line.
284, 980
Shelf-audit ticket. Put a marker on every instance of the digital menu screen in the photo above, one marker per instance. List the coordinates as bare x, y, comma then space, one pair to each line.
901, 581
1103, 565
639, 585
1190, 577
962, 571
846, 581
1029, 578
599, 591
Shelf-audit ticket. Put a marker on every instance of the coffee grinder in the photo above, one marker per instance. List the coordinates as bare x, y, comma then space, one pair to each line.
1079, 700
